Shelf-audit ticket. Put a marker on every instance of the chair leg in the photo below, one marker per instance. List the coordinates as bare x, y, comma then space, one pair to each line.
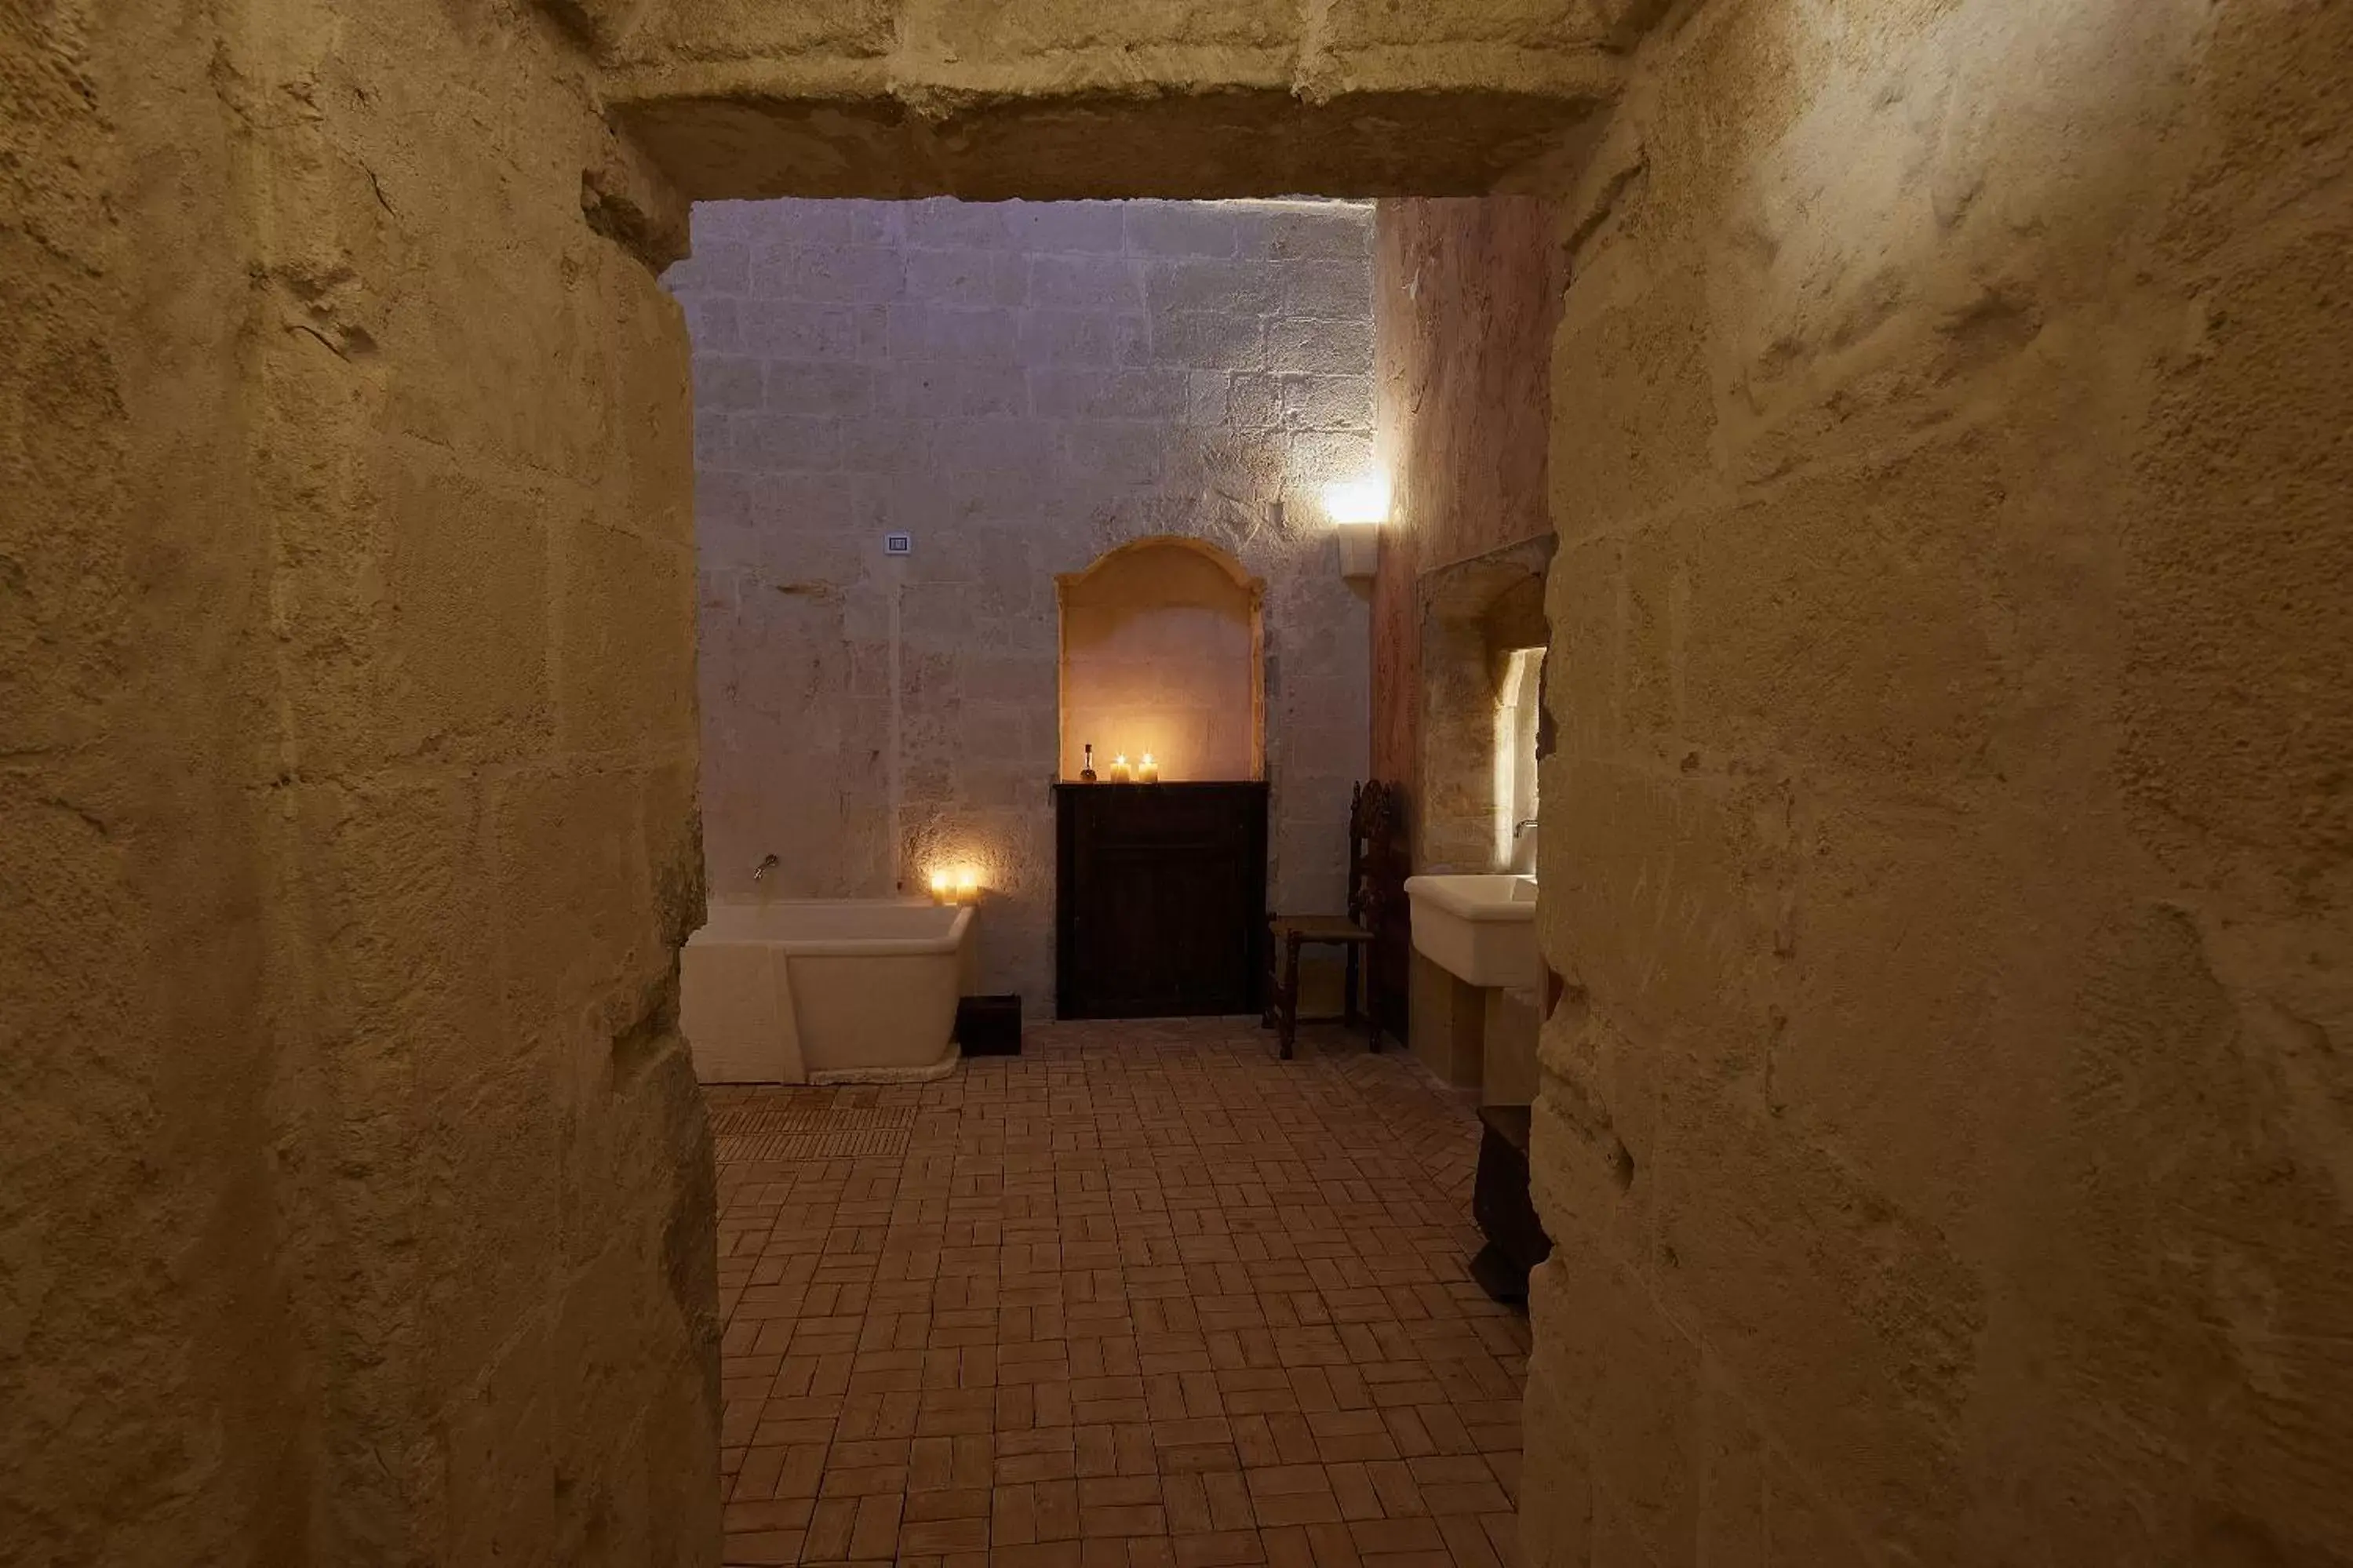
1289, 1014
1274, 993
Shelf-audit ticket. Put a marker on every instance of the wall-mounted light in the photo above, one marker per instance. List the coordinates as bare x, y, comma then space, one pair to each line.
1358, 508
1358, 502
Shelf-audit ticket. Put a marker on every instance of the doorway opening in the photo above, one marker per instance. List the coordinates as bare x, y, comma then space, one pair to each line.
972, 763
980, 485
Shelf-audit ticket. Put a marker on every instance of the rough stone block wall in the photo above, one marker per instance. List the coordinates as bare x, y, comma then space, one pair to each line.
1035, 99
1469, 293
145, 1328
1950, 843
1020, 387
355, 1198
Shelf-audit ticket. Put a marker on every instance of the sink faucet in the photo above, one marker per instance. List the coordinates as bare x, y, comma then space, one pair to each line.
764, 867
1520, 828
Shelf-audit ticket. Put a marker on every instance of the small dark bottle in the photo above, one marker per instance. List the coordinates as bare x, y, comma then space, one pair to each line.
1087, 773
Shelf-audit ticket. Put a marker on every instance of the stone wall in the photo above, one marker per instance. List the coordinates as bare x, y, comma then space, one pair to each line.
1949, 843
1020, 387
147, 1331
356, 1200
1064, 99
1469, 291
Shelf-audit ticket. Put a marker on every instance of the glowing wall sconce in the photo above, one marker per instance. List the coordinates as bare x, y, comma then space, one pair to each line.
1358, 508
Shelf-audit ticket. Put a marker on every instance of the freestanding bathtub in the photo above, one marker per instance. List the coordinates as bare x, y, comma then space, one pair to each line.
824, 991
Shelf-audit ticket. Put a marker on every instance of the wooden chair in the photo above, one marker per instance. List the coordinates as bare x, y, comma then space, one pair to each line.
1372, 831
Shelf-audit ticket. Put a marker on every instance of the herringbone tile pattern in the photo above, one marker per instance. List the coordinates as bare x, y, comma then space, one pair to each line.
1145, 1296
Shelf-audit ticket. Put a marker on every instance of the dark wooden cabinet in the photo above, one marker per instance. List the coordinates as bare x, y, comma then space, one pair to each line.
1161, 905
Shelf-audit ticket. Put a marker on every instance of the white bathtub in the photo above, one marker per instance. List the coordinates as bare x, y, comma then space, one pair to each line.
824, 991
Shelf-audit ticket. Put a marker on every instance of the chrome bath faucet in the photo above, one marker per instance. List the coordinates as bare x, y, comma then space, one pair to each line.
764, 867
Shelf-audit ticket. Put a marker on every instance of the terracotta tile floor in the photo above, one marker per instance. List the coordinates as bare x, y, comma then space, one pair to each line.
1144, 1296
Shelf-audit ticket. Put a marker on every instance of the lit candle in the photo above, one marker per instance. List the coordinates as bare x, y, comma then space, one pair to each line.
1147, 771
968, 886
1119, 772
940, 886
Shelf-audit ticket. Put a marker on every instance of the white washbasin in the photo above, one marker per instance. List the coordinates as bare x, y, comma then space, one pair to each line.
1481, 929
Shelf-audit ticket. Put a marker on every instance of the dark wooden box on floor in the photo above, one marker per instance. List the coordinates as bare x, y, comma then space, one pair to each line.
1500, 1202
1161, 900
989, 1025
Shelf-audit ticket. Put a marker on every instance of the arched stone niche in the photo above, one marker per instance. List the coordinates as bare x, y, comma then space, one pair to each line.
1483, 639
1164, 650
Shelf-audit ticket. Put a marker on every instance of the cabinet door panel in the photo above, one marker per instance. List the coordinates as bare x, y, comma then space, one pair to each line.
1162, 899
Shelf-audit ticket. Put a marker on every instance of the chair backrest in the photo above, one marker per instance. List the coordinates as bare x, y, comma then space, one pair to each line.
1379, 859
1372, 853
